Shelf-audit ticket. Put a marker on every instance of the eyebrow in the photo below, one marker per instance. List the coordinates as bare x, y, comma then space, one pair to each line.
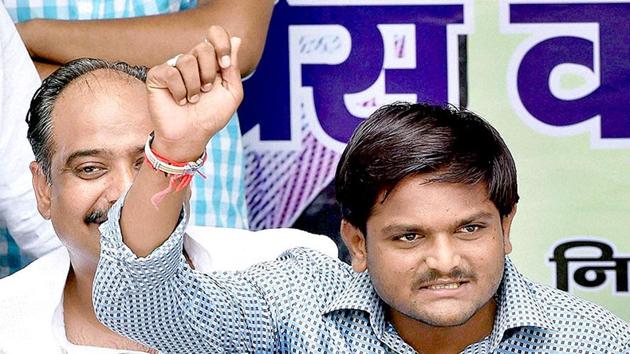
474, 217
96, 152
397, 228
83, 153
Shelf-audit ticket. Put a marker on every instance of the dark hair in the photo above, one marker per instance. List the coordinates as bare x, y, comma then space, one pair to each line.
403, 139
39, 116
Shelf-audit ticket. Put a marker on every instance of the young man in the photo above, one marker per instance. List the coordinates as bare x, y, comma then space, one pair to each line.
428, 195
87, 126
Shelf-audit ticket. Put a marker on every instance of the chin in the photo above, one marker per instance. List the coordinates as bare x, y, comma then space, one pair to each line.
454, 319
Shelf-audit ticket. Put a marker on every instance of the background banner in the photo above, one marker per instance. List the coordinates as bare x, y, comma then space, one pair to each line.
552, 76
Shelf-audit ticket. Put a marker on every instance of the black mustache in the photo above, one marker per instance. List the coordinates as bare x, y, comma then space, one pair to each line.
456, 274
96, 216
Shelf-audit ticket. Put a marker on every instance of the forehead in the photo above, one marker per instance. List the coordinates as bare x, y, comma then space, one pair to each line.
102, 109
418, 199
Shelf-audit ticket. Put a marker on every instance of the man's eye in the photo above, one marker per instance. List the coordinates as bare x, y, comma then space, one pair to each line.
470, 228
410, 237
89, 171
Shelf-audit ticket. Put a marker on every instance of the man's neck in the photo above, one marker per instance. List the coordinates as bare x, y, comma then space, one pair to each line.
78, 290
82, 327
428, 339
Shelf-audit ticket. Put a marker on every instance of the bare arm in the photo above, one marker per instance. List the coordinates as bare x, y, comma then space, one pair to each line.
185, 114
151, 40
45, 69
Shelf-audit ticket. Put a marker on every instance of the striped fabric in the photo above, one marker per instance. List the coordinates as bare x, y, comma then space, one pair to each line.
307, 302
218, 200
280, 184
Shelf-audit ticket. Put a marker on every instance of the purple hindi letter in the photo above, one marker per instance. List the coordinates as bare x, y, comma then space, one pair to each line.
611, 99
268, 103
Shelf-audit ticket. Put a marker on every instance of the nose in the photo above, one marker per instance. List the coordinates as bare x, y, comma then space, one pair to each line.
121, 180
443, 255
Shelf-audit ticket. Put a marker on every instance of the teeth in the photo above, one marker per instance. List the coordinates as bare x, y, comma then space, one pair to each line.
444, 286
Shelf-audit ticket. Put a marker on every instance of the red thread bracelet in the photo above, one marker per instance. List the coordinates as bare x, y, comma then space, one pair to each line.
176, 171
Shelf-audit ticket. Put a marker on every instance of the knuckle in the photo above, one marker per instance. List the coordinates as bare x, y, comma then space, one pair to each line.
217, 34
158, 70
206, 47
216, 29
199, 48
171, 73
186, 59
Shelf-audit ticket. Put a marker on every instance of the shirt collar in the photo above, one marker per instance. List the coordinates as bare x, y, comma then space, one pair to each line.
517, 306
360, 295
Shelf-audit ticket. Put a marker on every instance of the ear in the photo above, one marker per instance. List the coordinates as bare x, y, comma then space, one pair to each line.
506, 224
355, 241
42, 189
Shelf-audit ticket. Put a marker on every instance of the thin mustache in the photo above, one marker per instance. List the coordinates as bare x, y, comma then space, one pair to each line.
95, 216
431, 276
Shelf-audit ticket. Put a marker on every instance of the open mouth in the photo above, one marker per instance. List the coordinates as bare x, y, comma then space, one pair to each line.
445, 285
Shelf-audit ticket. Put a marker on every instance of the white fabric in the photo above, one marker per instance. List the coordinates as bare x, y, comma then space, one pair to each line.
253, 246
31, 311
19, 81
59, 332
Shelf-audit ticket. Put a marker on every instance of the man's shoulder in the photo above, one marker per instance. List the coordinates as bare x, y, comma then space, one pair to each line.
573, 314
49, 269
30, 297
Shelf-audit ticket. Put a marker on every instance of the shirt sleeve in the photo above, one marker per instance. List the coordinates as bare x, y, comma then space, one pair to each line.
160, 301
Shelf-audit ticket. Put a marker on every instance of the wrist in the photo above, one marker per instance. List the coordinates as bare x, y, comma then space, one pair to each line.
180, 151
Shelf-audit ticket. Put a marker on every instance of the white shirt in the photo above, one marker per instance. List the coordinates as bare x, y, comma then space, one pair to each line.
31, 300
18, 82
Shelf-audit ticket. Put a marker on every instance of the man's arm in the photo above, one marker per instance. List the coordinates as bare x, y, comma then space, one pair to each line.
143, 287
45, 69
150, 40
188, 104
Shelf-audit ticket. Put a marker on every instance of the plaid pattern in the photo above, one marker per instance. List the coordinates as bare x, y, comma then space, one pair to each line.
10, 257
24, 10
218, 200
306, 302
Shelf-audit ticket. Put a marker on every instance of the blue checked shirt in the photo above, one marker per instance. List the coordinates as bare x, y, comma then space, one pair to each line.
306, 302
24, 10
218, 200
